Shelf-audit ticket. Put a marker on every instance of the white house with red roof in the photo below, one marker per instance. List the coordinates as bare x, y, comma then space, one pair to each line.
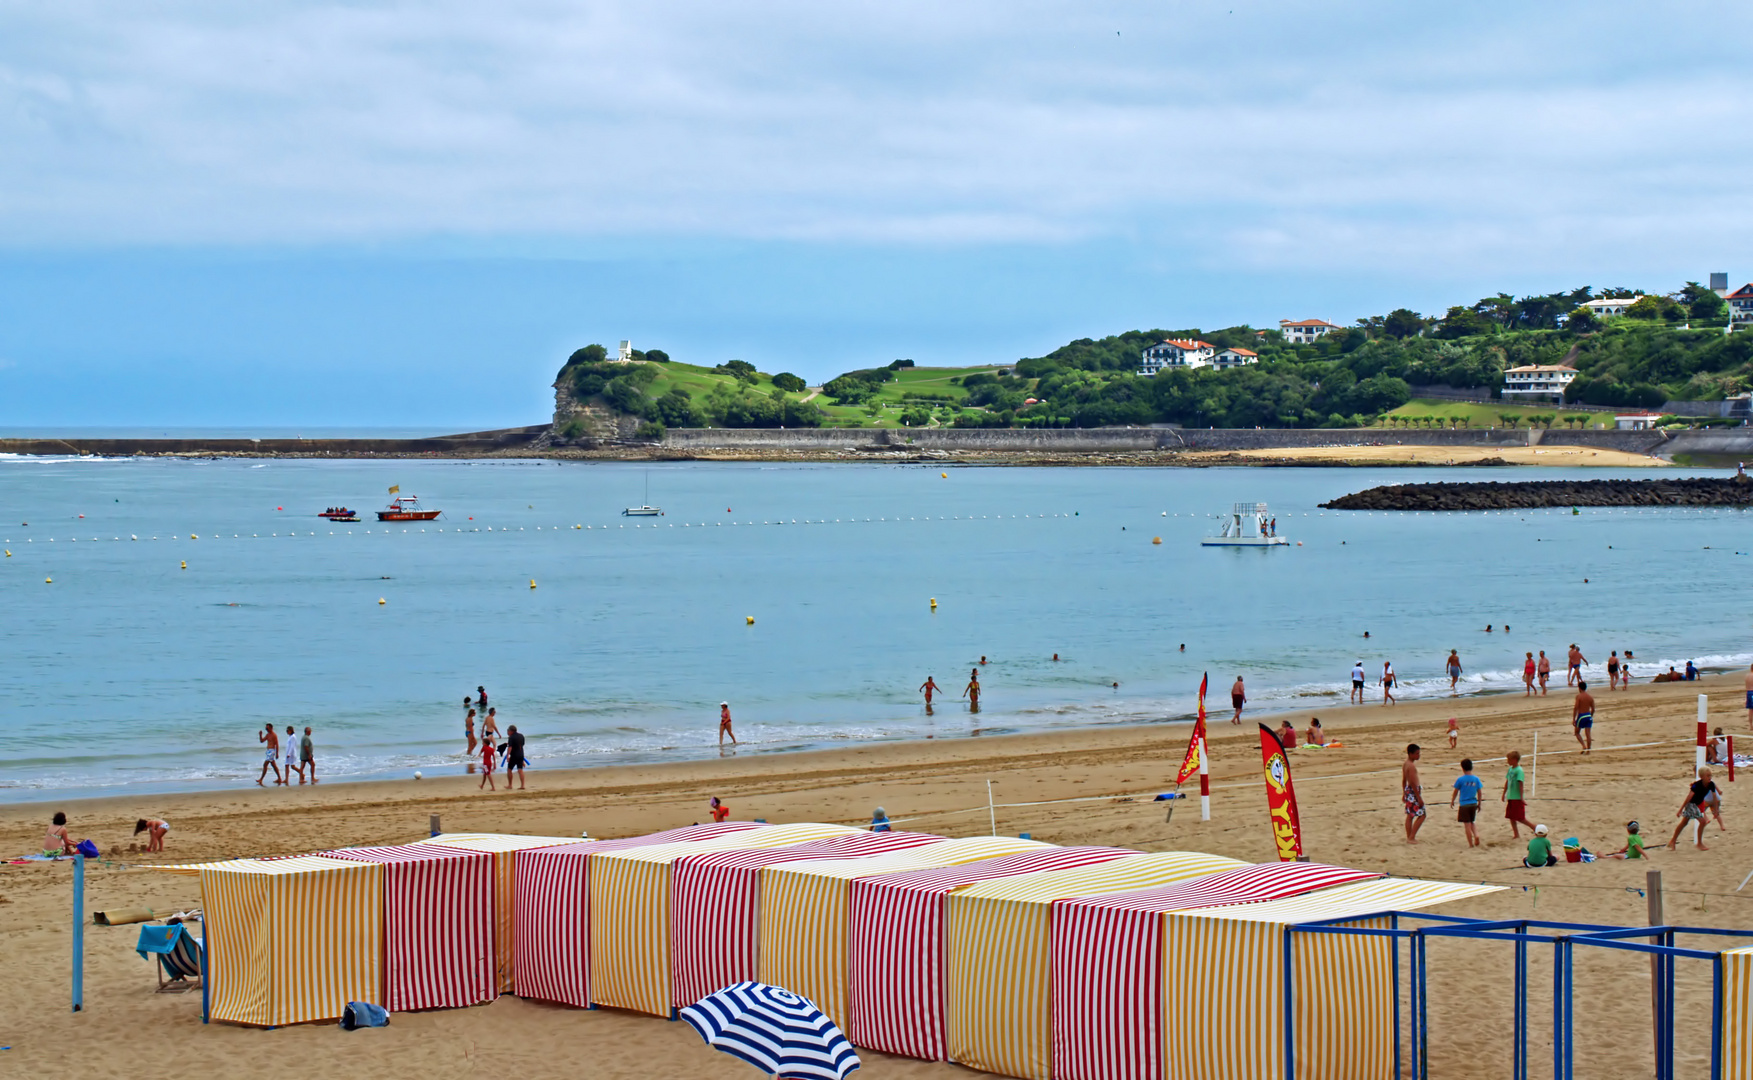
1305, 331
1177, 354
1741, 308
1234, 358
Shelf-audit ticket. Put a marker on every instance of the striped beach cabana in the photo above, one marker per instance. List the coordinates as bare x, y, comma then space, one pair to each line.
715, 916
1108, 963
291, 940
439, 923
897, 945
1344, 998
504, 848
1737, 1017
630, 912
998, 955
806, 914
551, 910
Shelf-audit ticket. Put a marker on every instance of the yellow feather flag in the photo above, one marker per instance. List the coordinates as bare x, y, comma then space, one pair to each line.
394, 488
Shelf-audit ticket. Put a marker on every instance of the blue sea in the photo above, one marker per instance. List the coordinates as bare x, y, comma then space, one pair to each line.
130, 674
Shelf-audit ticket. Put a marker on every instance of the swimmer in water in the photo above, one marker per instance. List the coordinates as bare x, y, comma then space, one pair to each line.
930, 687
972, 691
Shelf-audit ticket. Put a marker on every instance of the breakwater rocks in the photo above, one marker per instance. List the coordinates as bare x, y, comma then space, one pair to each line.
1534, 494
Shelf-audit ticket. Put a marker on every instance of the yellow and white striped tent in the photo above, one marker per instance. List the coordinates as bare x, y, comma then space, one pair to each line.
291, 940
806, 909
1738, 1014
504, 847
998, 955
1233, 1026
630, 912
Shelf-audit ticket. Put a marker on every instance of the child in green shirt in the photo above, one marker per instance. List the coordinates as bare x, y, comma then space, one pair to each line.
1633, 848
1540, 849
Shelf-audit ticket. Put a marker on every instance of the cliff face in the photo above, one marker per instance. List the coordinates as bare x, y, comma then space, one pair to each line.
587, 420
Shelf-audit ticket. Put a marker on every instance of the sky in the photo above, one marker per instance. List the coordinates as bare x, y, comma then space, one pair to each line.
399, 214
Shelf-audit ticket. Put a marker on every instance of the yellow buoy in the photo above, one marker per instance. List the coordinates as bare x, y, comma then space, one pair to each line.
185, 565
1156, 539
934, 603
750, 618
380, 600
48, 581
192, 536
532, 583
9, 553
945, 475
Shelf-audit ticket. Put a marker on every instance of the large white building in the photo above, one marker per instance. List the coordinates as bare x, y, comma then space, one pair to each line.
1608, 309
1741, 308
1305, 331
1537, 382
1177, 354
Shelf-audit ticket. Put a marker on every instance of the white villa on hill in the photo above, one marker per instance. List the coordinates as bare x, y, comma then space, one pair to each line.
1305, 331
1741, 308
1177, 354
1234, 358
1537, 382
1608, 309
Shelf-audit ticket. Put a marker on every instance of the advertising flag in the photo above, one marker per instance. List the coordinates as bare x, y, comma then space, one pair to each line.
1287, 827
1190, 764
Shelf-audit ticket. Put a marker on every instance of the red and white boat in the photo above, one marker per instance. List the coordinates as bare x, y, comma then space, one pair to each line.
406, 508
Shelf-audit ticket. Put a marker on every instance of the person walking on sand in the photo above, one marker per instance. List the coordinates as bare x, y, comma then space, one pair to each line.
1238, 698
1515, 809
291, 748
1545, 667
1412, 794
270, 753
469, 732
929, 686
490, 728
1454, 731
1357, 681
724, 724
489, 759
972, 691
155, 829
1387, 683
1454, 669
1577, 661
1613, 671
1467, 790
514, 759
1528, 676
307, 754
1692, 809
1582, 717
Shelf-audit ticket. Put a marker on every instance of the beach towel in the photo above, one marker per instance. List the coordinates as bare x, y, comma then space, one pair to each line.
360, 1014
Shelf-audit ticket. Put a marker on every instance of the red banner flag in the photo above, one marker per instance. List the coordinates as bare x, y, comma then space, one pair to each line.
1190, 764
1287, 827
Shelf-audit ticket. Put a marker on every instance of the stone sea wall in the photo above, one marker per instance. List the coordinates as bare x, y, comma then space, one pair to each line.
1536, 494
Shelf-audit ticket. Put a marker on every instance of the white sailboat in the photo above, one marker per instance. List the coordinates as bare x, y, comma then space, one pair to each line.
1248, 525
646, 510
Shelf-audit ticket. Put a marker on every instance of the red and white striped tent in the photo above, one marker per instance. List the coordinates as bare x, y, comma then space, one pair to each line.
715, 916
551, 911
439, 922
630, 906
998, 954
504, 848
897, 945
806, 914
1108, 964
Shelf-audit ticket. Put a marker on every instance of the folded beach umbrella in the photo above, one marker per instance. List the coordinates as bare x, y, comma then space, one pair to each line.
806, 913
291, 940
439, 923
998, 955
897, 945
774, 1030
504, 848
715, 898
1108, 963
630, 912
552, 908
1234, 1026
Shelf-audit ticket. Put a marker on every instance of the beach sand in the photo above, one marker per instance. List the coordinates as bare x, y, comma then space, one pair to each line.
1350, 812
1549, 456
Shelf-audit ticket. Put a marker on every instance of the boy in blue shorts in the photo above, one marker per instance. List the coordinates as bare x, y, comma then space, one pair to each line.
1582, 717
1466, 793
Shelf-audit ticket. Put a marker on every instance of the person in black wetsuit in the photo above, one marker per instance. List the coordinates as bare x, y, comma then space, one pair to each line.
514, 759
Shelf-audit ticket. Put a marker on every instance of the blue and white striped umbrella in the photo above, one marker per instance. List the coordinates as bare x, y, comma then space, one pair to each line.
774, 1030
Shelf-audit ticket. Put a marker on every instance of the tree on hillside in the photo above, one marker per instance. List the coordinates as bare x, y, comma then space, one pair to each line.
1403, 323
1582, 321
1463, 322
1702, 303
785, 380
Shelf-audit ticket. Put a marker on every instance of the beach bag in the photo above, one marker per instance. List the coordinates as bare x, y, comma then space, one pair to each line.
360, 1014
88, 849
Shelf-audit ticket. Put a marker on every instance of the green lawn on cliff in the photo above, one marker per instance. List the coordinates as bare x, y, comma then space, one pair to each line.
890, 400
1486, 414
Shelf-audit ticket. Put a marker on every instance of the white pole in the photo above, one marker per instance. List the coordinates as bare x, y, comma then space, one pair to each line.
1703, 719
1204, 784
990, 811
1534, 767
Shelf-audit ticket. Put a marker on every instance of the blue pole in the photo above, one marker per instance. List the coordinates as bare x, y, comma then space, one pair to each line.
206, 979
1289, 1022
1519, 1045
1716, 1014
1422, 1040
1668, 967
1569, 1005
1558, 992
78, 932
1394, 948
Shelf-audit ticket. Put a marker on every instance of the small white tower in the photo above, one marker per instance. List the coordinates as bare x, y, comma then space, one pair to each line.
626, 356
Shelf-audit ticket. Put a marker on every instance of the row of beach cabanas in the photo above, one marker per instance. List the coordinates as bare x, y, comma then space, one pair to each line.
1008, 955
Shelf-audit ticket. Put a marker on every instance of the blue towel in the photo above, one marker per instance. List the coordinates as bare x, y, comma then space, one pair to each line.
157, 939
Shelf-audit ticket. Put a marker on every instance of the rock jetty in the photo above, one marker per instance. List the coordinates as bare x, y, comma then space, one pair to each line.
1534, 494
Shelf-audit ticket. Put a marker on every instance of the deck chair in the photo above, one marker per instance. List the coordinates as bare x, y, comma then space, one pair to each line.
179, 956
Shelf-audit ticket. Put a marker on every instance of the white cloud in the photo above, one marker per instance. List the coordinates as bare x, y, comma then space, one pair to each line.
1277, 133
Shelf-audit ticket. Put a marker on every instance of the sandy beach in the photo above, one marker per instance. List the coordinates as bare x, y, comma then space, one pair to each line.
1550, 456
1350, 810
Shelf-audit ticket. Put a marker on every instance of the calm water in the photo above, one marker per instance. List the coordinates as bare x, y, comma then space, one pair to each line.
129, 673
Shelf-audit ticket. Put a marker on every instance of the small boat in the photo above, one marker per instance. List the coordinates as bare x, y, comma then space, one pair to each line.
339, 513
1249, 525
646, 510
406, 508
